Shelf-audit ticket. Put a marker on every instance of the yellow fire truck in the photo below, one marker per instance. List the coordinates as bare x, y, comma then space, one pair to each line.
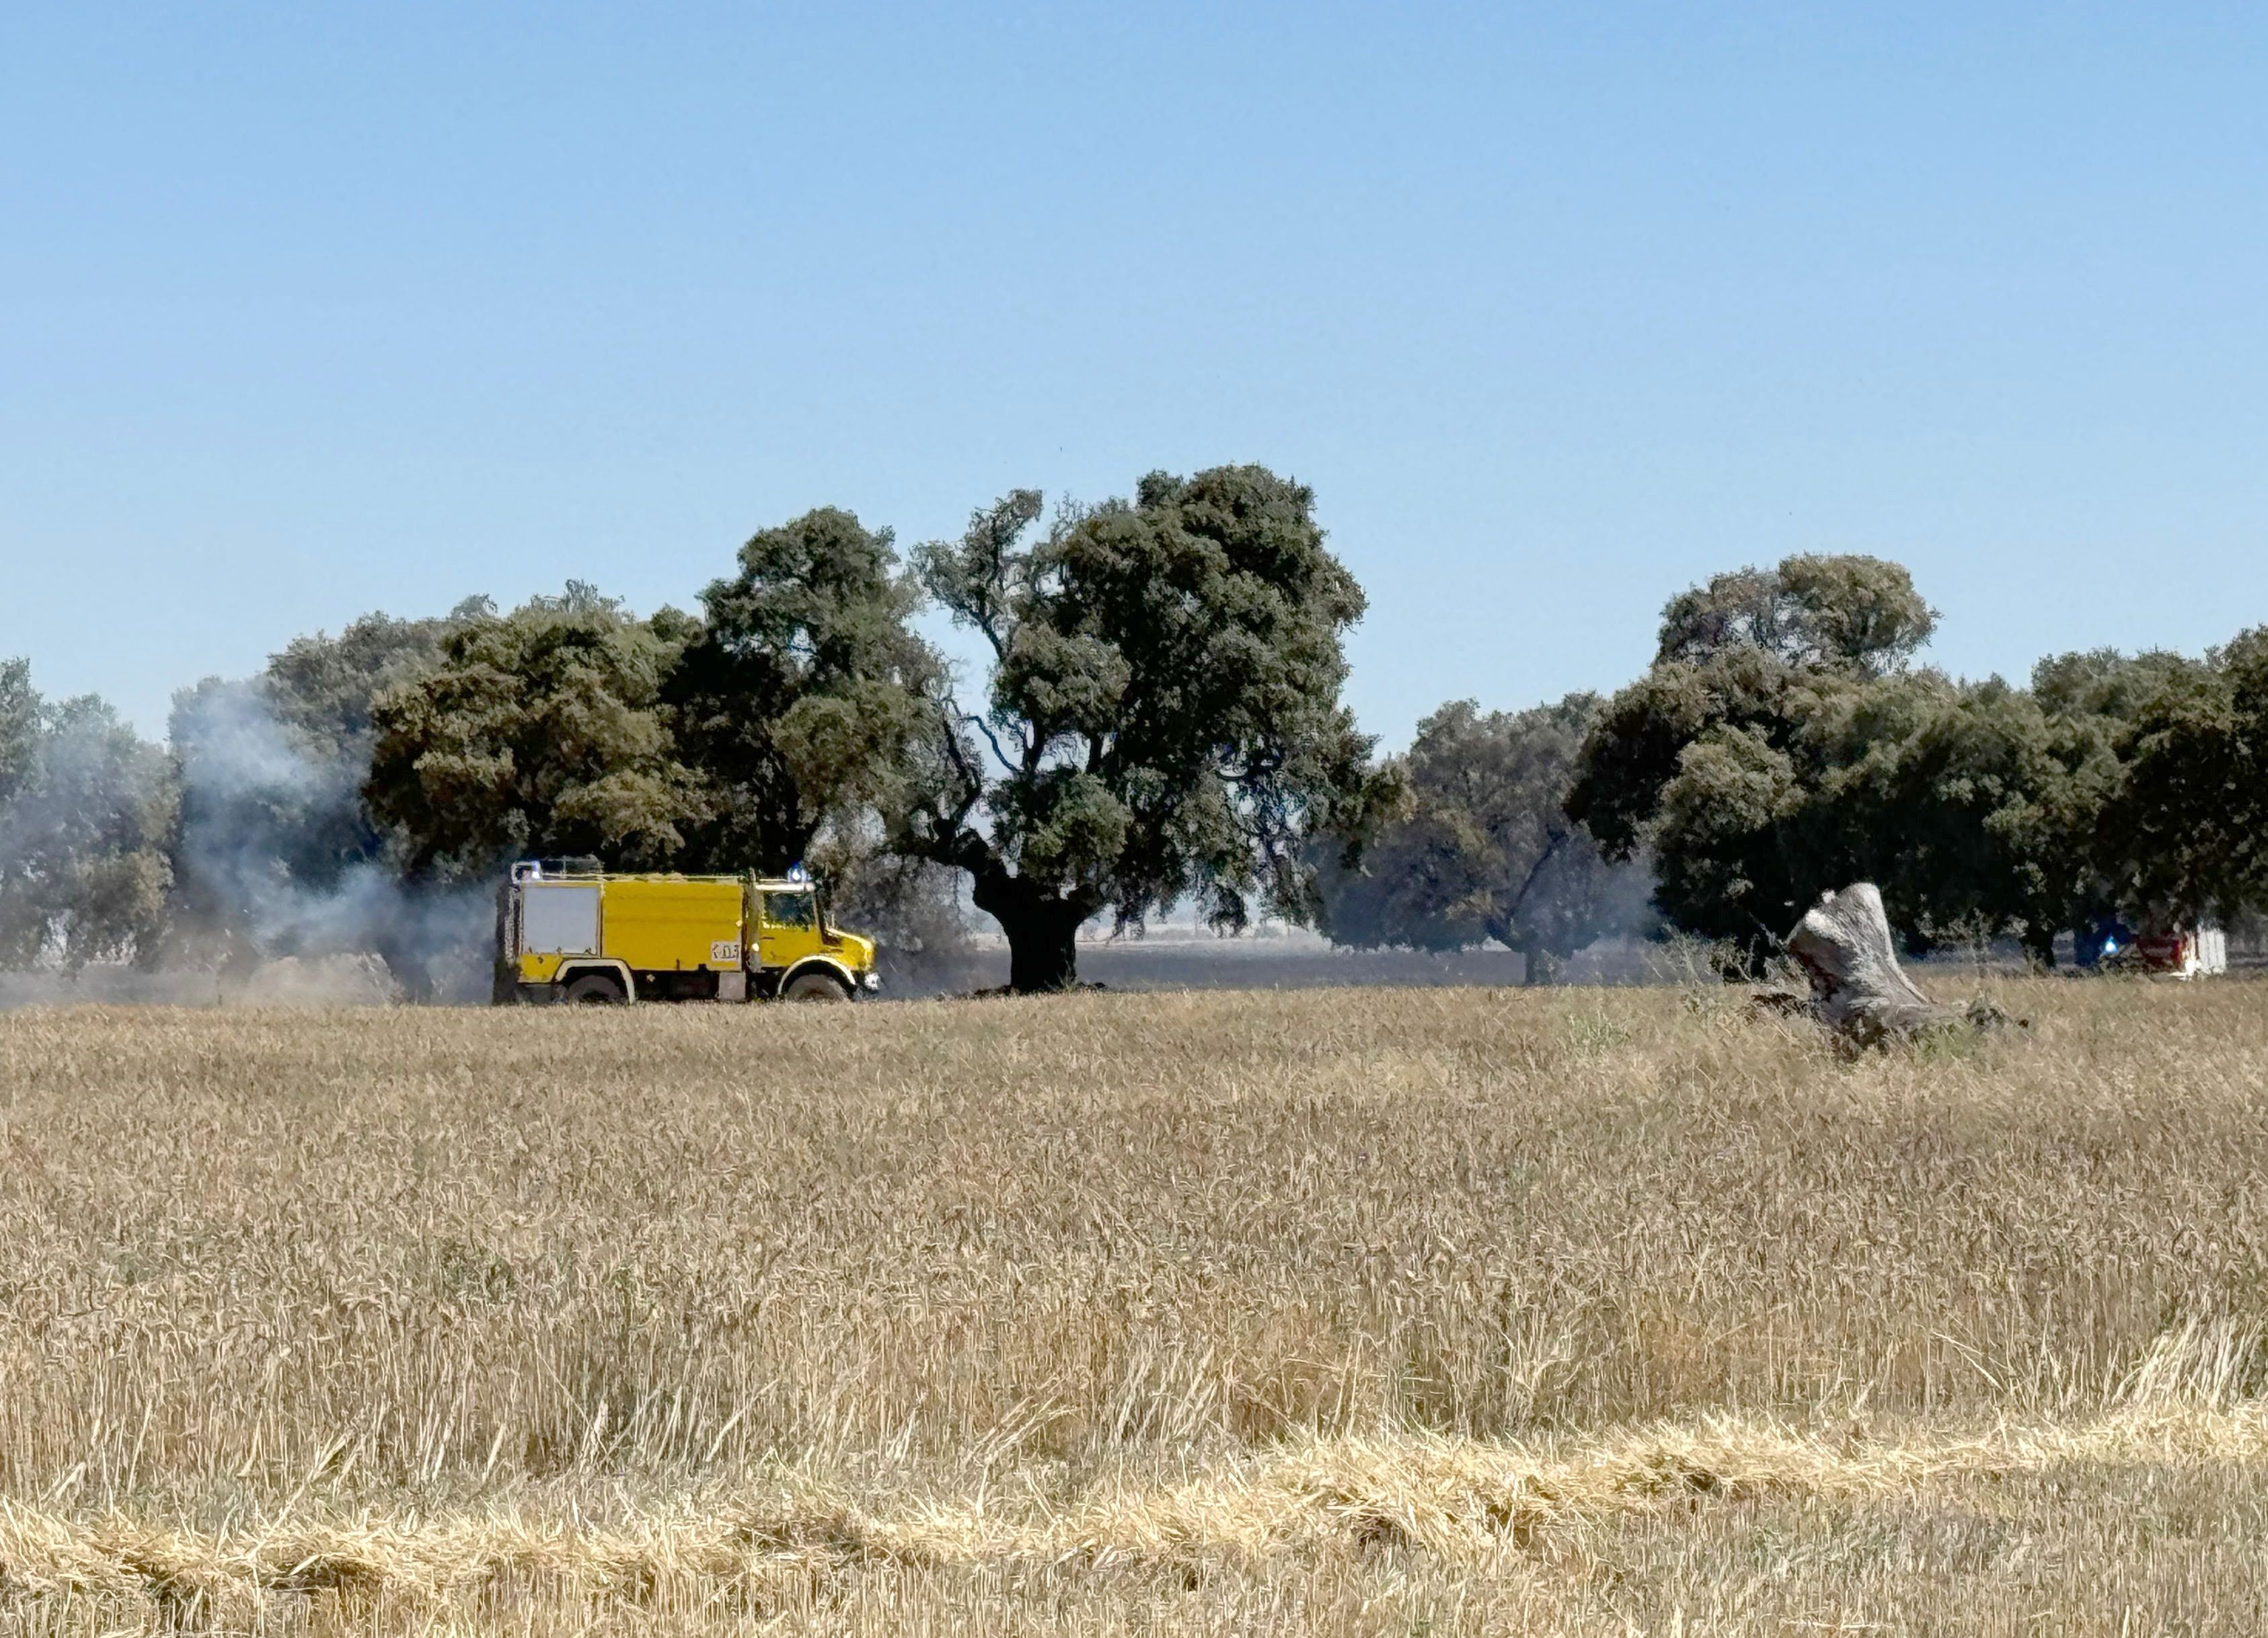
568, 930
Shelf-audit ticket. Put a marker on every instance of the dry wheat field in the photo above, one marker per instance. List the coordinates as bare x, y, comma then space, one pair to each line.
1444, 1312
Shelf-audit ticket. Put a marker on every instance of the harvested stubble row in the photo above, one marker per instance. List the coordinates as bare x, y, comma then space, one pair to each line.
1183, 1310
1460, 1500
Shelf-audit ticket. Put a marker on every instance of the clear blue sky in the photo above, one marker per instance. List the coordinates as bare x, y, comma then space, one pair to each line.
310, 309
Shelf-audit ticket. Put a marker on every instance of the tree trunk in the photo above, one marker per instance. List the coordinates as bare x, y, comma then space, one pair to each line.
1543, 966
1041, 928
1857, 988
1043, 951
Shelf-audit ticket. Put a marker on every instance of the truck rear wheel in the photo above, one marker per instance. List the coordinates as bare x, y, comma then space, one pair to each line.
595, 989
816, 987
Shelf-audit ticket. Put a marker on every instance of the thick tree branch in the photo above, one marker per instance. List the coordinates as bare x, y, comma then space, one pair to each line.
972, 783
982, 617
1534, 872
985, 728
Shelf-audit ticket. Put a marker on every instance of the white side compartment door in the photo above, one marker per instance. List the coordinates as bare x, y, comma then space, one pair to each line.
559, 920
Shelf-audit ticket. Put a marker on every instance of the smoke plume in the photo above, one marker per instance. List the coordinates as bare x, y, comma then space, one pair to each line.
278, 859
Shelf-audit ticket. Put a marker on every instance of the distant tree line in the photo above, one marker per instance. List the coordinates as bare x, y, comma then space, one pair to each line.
1159, 720
1783, 743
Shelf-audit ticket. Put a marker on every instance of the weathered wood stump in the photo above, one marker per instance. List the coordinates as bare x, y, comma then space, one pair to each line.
1858, 989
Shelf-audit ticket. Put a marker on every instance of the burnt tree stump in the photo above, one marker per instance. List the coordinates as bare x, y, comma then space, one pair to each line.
1858, 989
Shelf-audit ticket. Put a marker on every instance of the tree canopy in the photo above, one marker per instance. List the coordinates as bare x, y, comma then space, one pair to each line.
1848, 613
804, 701
1781, 747
2186, 833
86, 820
541, 732
1478, 844
1162, 715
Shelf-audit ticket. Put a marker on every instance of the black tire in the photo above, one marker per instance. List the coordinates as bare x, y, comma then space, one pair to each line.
816, 987
595, 989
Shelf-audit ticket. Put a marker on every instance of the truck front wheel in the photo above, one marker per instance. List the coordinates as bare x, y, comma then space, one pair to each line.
595, 989
816, 987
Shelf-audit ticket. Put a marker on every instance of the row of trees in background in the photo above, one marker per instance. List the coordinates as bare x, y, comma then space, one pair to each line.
1783, 743
1160, 719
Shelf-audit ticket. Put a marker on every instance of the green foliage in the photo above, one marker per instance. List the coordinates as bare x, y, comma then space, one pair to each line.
1976, 804
1728, 833
2187, 833
325, 689
805, 701
2104, 685
19, 726
542, 731
88, 810
1638, 744
1163, 715
1781, 747
1852, 613
1479, 845
1714, 764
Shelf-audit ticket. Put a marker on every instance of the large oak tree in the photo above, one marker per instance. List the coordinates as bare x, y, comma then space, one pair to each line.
1161, 717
